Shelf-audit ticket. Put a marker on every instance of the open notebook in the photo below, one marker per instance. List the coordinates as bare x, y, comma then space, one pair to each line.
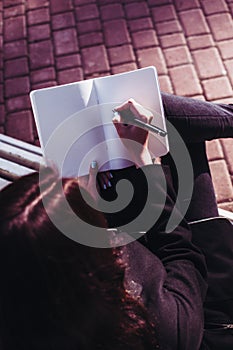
74, 121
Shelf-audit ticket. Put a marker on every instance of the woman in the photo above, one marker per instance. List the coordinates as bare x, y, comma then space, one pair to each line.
59, 294
56, 293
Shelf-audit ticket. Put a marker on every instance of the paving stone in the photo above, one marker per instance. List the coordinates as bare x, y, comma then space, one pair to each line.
111, 12
2, 114
70, 75
19, 125
121, 54
227, 145
172, 40
190, 19
9, 3
199, 97
63, 20
208, 62
60, 6
37, 51
89, 26
170, 27
231, 8
38, 16
214, 6
43, 84
217, 88
17, 86
182, 5
176, 27
145, 38
84, 2
158, 2
15, 49
16, 67
44, 74
229, 66
221, 180
136, 10
226, 100
125, 2
221, 26
70, 61
116, 33
87, 12
124, 68
214, 150
1, 93
18, 103
90, 39
200, 41
140, 24
181, 77
39, 32
176, 56
34, 4
226, 49
65, 41
14, 11
165, 84
164, 13
95, 59
152, 57
14, 28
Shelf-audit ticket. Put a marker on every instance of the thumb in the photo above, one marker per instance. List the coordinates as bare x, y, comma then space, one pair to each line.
93, 171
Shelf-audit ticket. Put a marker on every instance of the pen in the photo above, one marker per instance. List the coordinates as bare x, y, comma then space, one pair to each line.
135, 121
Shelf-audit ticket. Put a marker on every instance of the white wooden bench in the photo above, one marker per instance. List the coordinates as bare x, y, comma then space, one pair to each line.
19, 158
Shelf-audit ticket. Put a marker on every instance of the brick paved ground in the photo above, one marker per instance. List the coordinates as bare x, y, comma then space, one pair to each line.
45, 43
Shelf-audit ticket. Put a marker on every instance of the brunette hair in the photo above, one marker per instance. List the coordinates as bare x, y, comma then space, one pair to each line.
56, 293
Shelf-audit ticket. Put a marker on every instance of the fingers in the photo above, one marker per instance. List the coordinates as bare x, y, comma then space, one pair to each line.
104, 180
131, 109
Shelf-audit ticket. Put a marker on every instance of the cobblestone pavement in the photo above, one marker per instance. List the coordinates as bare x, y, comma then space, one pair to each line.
45, 43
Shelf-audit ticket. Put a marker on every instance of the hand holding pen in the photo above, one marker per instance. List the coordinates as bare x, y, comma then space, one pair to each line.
129, 130
131, 116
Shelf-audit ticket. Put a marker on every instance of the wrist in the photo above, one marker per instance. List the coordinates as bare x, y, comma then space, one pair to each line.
142, 159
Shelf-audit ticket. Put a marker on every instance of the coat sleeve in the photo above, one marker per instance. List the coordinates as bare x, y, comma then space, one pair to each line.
171, 269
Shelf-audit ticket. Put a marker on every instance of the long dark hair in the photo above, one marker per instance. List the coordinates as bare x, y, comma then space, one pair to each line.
56, 293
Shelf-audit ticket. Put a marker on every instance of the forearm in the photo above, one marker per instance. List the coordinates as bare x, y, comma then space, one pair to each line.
175, 245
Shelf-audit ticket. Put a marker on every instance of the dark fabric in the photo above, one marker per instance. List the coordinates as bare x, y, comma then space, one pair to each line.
173, 299
202, 200
169, 267
197, 120
172, 273
173, 253
215, 238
